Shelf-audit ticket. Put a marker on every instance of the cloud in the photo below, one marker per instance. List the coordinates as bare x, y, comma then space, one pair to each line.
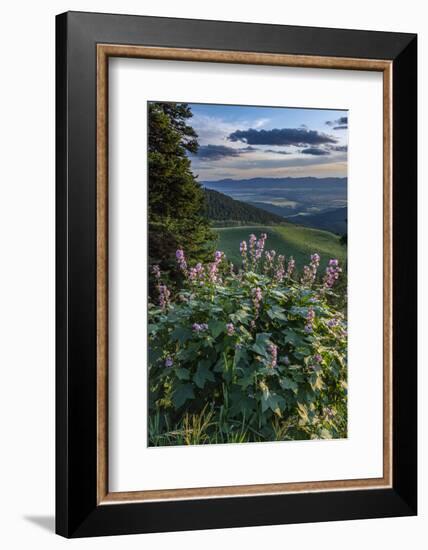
278, 152
316, 151
218, 152
299, 137
340, 123
338, 148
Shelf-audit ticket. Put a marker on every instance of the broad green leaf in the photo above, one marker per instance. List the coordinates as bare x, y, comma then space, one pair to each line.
258, 348
292, 338
273, 402
316, 382
288, 383
182, 374
181, 334
216, 327
203, 375
182, 393
276, 312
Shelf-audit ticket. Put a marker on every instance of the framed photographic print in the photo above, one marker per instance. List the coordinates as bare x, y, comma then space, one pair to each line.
236, 274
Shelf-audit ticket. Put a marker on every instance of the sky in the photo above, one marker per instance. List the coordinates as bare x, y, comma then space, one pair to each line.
242, 142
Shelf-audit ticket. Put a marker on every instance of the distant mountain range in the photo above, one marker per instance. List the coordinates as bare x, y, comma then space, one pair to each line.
221, 208
312, 202
330, 220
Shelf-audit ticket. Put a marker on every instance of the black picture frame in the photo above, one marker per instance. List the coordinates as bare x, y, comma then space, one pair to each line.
77, 512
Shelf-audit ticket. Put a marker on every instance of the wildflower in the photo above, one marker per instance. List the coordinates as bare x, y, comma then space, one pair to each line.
196, 327
181, 260
331, 273
230, 329
273, 350
260, 246
164, 295
310, 316
310, 271
280, 269
257, 298
197, 273
169, 362
270, 258
332, 323
213, 270
317, 358
290, 268
156, 271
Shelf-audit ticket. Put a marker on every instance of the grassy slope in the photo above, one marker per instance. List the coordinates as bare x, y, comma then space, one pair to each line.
290, 240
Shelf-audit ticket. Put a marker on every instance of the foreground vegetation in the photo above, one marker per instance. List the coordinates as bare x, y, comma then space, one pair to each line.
287, 239
250, 354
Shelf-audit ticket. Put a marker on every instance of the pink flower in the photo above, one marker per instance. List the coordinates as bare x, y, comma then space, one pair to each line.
196, 327
156, 271
257, 298
164, 295
181, 260
290, 268
310, 316
331, 273
273, 350
230, 329
310, 271
280, 269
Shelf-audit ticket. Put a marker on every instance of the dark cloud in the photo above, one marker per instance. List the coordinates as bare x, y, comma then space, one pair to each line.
338, 148
299, 137
217, 152
340, 123
316, 151
278, 152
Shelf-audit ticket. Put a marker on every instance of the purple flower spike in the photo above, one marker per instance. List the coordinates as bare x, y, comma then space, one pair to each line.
332, 273
181, 260
273, 350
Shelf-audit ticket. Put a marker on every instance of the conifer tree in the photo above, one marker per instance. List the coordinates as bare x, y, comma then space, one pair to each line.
176, 200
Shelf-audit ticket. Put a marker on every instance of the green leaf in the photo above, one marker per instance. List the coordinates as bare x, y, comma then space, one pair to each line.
276, 312
182, 393
182, 374
292, 338
273, 402
241, 404
261, 350
216, 327
181, 334
202, 375
316, 381
288, 383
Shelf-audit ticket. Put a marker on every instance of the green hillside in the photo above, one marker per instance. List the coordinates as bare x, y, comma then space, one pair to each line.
288, 239
221, 208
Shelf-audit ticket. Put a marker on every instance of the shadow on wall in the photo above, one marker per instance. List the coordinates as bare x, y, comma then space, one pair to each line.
45, 522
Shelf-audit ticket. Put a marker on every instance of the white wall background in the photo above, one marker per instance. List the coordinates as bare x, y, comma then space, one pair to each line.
27, 272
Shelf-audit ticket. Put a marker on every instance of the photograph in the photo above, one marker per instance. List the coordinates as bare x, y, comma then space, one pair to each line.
247, 273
